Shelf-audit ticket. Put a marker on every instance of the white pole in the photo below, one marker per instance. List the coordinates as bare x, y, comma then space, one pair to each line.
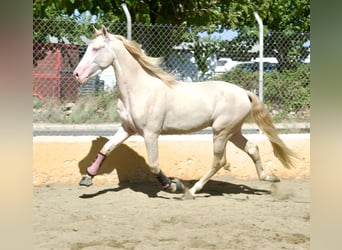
129, 21
261, 55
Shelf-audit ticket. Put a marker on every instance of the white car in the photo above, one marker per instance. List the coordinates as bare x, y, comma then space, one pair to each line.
266, 59
225, 64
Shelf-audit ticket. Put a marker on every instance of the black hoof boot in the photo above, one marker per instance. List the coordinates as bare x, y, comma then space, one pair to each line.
177, 186
174, 186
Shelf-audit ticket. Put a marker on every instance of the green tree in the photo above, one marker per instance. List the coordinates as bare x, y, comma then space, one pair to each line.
290, 17
278, 15
152, 11
287, 27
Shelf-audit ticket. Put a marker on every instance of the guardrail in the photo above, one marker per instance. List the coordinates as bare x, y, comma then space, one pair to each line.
110, 129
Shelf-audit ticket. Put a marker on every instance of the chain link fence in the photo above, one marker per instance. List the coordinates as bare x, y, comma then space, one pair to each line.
189, 53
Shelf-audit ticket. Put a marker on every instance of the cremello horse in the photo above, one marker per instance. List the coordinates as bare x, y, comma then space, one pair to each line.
152, 103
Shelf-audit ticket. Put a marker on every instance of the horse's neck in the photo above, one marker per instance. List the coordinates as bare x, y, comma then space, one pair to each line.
127, 70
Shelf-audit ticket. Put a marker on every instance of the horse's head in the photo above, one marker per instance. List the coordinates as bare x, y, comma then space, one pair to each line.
97, 57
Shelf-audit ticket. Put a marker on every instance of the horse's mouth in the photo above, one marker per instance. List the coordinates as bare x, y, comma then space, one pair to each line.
83, 80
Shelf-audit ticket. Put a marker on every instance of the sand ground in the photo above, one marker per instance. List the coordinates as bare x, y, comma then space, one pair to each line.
227, 214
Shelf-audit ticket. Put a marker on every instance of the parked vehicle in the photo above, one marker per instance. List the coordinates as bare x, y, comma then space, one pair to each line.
254, 66
225, 64
266, 60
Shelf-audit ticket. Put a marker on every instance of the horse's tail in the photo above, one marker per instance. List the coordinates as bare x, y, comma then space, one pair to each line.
264, 121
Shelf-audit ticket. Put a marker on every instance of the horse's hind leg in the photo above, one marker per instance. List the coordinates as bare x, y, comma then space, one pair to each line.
219, 160
253, 151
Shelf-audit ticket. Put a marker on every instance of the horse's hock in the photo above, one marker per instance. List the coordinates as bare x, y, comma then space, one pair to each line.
58, 159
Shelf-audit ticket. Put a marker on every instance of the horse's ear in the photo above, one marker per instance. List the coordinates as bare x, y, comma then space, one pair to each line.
95, 30
104, 31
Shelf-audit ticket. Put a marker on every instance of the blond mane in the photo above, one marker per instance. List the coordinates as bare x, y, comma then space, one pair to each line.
150, 64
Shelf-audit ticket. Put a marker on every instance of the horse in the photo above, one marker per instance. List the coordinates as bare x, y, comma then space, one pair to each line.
152, 103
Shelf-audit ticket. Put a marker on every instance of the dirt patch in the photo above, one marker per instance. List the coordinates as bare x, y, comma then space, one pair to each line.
227, 214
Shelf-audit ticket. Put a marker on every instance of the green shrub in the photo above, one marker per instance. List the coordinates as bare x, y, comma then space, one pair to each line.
285, 92
99, 108
95, 108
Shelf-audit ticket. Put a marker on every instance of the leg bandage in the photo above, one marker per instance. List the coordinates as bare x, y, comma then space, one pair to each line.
164, 181
95, 166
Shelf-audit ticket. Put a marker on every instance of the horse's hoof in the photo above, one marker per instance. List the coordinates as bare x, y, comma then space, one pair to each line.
86, 181
176, 186
271, 178
188, 195
179, 186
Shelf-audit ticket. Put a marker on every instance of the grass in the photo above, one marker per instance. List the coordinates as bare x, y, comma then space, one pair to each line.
91, 109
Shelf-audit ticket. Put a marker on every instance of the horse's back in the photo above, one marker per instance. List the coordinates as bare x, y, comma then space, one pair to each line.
211, 87
231, 100
213, 93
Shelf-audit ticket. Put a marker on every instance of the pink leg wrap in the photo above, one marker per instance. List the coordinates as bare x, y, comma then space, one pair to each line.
95, 166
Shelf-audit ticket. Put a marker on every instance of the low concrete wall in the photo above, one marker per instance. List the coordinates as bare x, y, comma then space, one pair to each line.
59, 159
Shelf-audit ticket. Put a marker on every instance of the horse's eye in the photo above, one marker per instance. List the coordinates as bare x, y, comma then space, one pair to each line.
96, 48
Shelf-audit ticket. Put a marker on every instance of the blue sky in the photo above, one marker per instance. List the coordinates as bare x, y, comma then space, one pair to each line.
225, 35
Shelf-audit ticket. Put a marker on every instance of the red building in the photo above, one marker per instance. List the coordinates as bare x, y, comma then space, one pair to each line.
53, 65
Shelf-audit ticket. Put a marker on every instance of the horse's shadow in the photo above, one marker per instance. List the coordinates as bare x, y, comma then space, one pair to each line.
219, 188
129, 165
151, 189
133, 173
131, 169
212, 188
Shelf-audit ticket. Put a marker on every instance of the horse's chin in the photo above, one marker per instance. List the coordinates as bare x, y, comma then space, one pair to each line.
84, 80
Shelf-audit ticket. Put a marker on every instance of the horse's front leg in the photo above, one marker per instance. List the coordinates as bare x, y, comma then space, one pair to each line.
151, 142
121, 135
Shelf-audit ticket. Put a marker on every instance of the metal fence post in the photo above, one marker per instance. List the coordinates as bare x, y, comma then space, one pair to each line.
129, 21
261, 55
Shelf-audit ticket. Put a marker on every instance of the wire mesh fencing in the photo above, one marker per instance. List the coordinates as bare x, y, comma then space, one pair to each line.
190, 53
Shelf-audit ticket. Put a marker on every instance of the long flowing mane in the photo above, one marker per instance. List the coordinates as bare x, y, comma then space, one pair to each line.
150, 64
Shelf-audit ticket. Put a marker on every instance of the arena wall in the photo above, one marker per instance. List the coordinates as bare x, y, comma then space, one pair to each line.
63, 159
